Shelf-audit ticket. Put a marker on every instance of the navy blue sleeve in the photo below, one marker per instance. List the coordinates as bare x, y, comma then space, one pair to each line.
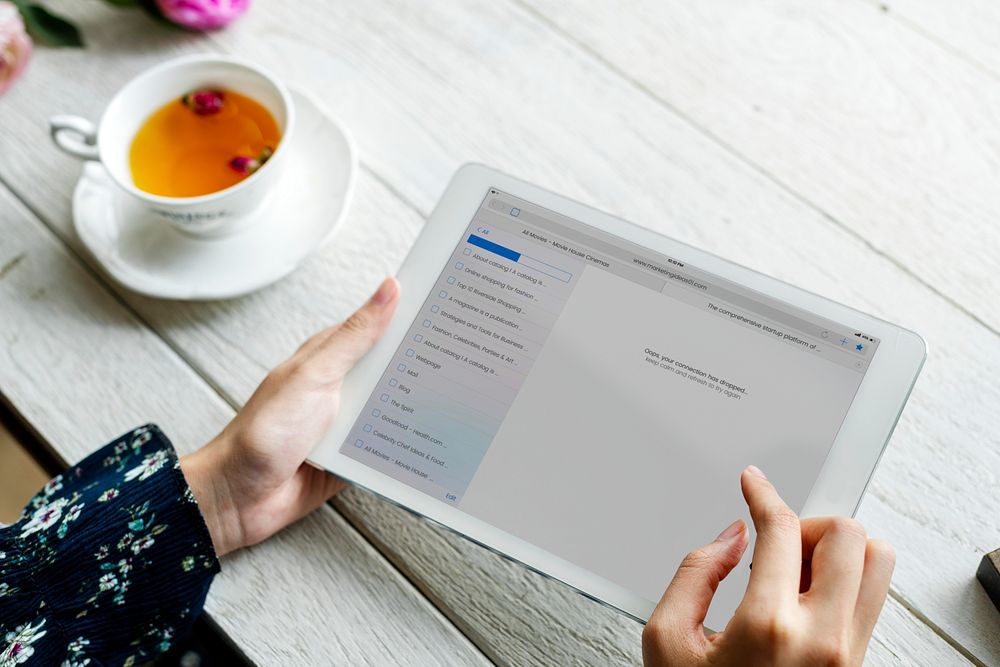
108, 564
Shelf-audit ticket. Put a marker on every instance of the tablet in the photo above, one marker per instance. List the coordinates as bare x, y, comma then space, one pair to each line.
580, 394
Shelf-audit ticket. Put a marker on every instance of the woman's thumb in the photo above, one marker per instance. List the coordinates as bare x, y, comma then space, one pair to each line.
352, 339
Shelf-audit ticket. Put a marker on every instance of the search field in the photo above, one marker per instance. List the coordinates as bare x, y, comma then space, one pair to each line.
547, 269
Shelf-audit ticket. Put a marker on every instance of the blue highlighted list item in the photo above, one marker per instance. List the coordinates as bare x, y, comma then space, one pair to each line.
494, 248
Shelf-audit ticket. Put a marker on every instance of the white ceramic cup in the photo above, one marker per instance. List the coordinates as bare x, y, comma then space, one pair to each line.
215, 214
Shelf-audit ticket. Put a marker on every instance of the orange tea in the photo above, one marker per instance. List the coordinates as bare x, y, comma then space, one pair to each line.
204, 142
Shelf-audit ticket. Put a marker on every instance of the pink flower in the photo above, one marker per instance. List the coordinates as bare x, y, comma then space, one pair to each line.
202, 14
244, 164
15, 45
204, 102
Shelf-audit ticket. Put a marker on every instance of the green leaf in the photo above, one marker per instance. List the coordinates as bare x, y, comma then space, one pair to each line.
48, 28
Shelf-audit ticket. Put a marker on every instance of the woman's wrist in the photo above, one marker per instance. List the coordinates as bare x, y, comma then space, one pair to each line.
204, 472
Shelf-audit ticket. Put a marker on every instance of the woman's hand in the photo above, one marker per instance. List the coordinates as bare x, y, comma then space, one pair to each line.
250, 481
816, 589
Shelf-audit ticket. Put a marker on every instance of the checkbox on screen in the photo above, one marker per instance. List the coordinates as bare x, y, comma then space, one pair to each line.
459, 265
435, 309
376, 412
427, 323
418, 338
367, 428
467, 251
384, 398
359, 443
443, 294
401, 368
393, 382
451, 280
409, 352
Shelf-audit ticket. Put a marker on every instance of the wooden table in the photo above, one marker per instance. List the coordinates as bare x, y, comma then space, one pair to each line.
852, 147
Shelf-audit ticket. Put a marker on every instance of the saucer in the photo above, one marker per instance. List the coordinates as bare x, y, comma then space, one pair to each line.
151, 257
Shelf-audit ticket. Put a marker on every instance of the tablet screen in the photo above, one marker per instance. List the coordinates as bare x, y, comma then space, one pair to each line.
598, 399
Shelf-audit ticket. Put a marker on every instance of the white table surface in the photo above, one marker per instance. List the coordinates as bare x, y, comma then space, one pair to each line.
852, 147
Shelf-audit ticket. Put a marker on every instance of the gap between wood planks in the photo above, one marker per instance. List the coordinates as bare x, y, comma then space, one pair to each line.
936, 40
53, 458
935, 628
744, 159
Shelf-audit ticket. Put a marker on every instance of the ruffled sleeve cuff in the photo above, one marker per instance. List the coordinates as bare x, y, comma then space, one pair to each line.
110, 561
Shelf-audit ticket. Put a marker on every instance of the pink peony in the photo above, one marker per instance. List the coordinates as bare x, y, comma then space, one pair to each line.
202, 14
15, 45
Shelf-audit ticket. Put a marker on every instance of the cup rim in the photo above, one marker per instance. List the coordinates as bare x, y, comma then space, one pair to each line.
162, 200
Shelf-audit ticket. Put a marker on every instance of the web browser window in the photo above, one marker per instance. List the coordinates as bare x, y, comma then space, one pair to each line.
599, 400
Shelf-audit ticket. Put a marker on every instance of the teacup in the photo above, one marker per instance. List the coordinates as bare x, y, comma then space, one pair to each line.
214, 214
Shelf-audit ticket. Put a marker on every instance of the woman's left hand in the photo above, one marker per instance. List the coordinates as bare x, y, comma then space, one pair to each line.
250, 481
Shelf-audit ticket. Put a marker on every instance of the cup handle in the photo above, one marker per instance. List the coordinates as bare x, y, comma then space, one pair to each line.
74, 135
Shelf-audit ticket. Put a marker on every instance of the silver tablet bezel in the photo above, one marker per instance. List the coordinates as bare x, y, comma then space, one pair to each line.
849, 466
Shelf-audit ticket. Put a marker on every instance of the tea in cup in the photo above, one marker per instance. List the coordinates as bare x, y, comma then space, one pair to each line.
199, 140
204, 142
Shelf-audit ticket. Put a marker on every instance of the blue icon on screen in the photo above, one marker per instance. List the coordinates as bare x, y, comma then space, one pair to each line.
859, 347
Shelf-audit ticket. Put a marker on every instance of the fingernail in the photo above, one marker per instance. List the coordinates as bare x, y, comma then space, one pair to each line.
384, 293
734, 529
754, 470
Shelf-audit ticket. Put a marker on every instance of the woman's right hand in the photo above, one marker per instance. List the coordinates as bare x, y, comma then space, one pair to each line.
816, 589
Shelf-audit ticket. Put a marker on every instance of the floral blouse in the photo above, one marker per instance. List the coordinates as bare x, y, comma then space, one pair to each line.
108, 563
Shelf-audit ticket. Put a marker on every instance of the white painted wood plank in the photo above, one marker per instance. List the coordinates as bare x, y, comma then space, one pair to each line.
56, 367
969, 28
894, 137
693, 192
82, 369
904, 646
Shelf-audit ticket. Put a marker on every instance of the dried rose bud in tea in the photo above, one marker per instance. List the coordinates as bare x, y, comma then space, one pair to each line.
204, 102
244, 164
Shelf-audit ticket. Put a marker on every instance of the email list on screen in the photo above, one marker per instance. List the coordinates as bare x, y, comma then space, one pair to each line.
599, 400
